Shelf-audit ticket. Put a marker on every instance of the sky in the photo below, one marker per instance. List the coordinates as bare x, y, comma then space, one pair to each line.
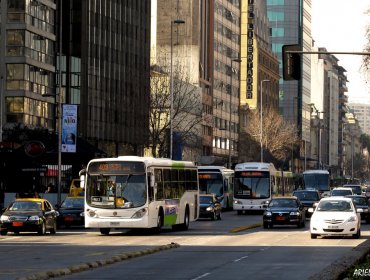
339, 26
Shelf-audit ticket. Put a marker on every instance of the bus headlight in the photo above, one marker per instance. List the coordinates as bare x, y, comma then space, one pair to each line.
237, 202
139, 214
91, 213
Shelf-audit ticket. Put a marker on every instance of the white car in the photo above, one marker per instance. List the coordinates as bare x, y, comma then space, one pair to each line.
335, 216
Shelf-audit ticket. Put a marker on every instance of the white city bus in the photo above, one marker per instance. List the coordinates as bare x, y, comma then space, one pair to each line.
317, 179
140, 192
218, 180
255, 183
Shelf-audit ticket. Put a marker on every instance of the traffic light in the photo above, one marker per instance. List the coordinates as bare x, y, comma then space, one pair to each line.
291, 62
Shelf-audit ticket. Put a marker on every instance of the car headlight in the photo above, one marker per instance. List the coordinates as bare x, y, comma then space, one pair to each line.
139, 214
268, 213
294, 213
4, 218
352, 219
82, 214
34, 218
210, 208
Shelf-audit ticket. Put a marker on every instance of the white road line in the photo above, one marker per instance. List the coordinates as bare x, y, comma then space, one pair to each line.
202, 276
242, 258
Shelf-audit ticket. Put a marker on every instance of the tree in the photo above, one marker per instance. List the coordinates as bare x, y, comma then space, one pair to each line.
187, 109
366, 58
278, 138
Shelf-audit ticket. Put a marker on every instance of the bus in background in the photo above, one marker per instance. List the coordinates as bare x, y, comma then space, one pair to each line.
218, 180
317, 179
140, 192
256, 182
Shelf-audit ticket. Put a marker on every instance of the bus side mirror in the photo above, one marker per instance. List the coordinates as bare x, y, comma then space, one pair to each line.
82, 175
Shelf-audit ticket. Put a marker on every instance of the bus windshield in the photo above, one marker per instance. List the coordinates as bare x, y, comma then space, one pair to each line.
252, 187
211, 183
316, 181
116, 191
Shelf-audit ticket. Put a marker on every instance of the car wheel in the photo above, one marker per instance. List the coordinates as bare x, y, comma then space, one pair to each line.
270, 225
213, 216
105, 231
53, 230
219, 216
42, 230
265, 225
368, 220
3, 232
313, 236
357, 234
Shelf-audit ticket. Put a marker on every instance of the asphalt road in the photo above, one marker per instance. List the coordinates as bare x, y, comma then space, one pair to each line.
208, 250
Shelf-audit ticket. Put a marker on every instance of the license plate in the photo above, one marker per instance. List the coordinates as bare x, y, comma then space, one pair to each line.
280, 218
17, 224
332, 227
114, 224
68, 218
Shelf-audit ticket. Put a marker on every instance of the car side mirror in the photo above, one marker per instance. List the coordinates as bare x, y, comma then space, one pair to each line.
315, 205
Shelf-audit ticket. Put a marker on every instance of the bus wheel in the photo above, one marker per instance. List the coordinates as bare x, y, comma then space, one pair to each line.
158, 228
105, 231
185, 225
240, 212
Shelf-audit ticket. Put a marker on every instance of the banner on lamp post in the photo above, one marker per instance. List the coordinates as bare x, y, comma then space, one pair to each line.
69, 128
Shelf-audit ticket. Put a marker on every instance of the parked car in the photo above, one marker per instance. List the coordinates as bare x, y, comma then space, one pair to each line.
362, 202
28, 215
210, 207
336, 216
284, 211
340, 191
356, 188
71, 212
308, 198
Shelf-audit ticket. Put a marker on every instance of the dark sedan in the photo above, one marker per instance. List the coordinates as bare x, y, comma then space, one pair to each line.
71, 212
210, 207
28, 215
284, 211
362, 202
307, 198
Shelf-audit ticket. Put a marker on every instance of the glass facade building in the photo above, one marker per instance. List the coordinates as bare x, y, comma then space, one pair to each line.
290, 22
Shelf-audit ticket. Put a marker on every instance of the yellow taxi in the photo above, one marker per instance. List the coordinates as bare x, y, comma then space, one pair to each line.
29, 215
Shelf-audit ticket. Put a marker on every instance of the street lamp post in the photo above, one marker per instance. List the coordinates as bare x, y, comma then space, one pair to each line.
59, 197
178, 21
238, 60
261, 131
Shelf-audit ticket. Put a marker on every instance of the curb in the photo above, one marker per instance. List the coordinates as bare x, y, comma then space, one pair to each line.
339, 268
95, 264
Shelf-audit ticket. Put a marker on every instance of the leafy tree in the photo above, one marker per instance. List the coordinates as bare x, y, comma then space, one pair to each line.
366, 58
187, 109
279, 137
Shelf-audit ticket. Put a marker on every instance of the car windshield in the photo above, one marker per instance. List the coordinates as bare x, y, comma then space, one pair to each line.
283, 203
205, 199
25, 206
73, 203
335, 206
307, 195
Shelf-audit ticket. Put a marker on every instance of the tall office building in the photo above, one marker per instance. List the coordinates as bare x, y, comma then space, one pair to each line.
103, 69
362, 114
290, 21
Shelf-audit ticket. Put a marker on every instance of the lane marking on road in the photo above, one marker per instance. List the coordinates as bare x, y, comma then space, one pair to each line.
201, 276
242, 258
